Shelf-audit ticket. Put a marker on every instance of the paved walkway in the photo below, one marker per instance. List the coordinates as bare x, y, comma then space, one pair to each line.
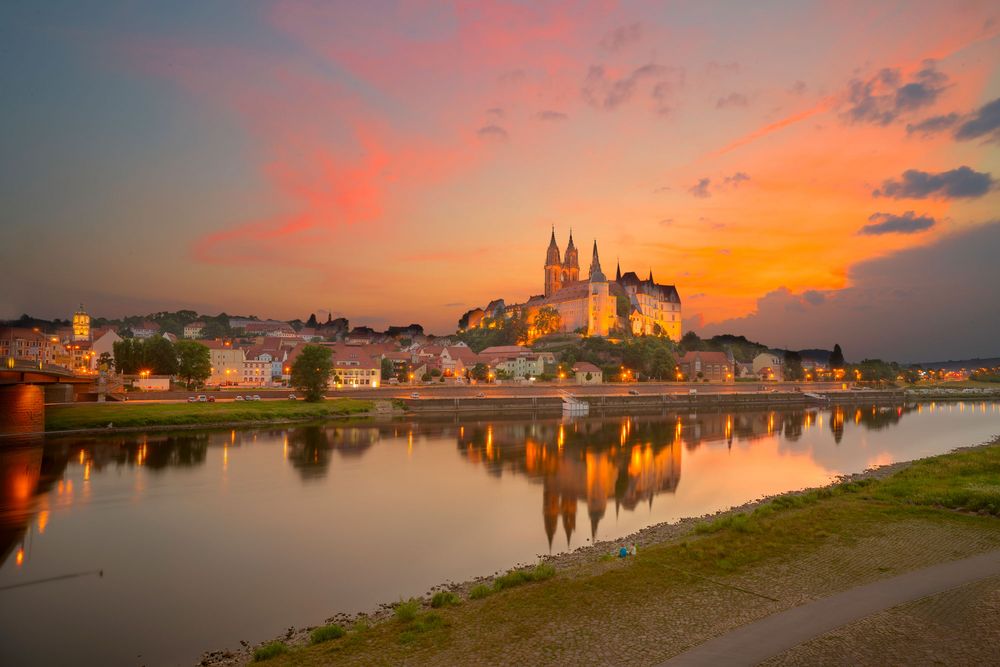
755, 642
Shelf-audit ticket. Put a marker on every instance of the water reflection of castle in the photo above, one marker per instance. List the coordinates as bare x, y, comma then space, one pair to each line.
631, 459
627, 460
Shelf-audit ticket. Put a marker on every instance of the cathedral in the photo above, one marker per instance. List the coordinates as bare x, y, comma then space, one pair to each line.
595, 305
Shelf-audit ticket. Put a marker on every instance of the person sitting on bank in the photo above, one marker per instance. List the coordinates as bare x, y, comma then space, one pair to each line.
623, 552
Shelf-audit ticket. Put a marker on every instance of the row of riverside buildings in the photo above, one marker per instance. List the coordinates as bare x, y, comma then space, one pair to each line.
263, 353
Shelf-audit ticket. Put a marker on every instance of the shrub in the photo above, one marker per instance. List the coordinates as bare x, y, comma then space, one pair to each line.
443, 599
407, 611
270, 650
326, 633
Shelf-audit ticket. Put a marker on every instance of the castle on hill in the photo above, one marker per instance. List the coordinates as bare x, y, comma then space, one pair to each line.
594, 305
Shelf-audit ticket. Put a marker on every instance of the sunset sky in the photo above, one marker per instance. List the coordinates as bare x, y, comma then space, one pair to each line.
804, 173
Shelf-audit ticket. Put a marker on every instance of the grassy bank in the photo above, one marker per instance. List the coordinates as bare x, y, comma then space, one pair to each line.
676, 594
121, 415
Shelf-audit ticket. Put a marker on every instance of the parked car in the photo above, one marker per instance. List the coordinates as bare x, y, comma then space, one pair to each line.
633, 392
480, 395
192, 399
414, 395
211, 399
238, 398
256, 397
202, 398
291, 397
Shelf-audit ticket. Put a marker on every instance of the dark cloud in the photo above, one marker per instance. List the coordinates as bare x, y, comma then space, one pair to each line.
736, 179
983, 123
814, 297
622, 36
885, 312
732, 100
798, 88
955, 184
496, 112
700, 189
662, 188
492, 132
551, 115
881, 99
933, 125
602, 91
889, 223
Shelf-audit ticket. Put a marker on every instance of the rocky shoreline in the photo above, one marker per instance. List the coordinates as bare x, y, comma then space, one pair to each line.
577, 559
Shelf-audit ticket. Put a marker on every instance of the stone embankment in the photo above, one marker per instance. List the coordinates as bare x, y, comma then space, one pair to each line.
745, 400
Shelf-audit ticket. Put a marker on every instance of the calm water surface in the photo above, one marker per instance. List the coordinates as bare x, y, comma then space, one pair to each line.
207, 538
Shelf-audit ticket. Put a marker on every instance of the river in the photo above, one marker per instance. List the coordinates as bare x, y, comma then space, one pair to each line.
148, 549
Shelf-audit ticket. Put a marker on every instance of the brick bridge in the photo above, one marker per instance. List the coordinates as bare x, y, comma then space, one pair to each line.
23, 386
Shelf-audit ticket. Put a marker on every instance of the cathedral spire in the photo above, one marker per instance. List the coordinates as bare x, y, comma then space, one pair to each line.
552, 254
618, 271
571, 260
650, 275
596, 275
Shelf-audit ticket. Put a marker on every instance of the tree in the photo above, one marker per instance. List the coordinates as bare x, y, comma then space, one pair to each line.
105, 362
194, 362
479, 371
387, 369
159, 356
691, 342
128, 355
547, 320
836, 357
793, 366
311, 322
215, 329
312, 370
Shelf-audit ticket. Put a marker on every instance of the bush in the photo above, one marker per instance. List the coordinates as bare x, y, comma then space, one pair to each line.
326, 633
443, 599
407, 611
268, 651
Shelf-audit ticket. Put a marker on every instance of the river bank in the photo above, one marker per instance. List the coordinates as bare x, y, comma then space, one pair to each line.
124, 417
691, 580
89, 418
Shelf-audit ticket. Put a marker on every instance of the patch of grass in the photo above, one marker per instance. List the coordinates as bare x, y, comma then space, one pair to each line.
99, 415
968, 481
269, 650
444, 599
422, 624
514, 578
479, 591
408, 610
326, 633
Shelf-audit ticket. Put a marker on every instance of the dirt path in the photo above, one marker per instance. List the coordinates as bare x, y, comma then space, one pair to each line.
775, 634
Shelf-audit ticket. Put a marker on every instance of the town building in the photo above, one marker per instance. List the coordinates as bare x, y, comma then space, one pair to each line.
227, 362
194, 329
711, 366
104, 343
587, 373
145, 329
22, 344
768, 366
